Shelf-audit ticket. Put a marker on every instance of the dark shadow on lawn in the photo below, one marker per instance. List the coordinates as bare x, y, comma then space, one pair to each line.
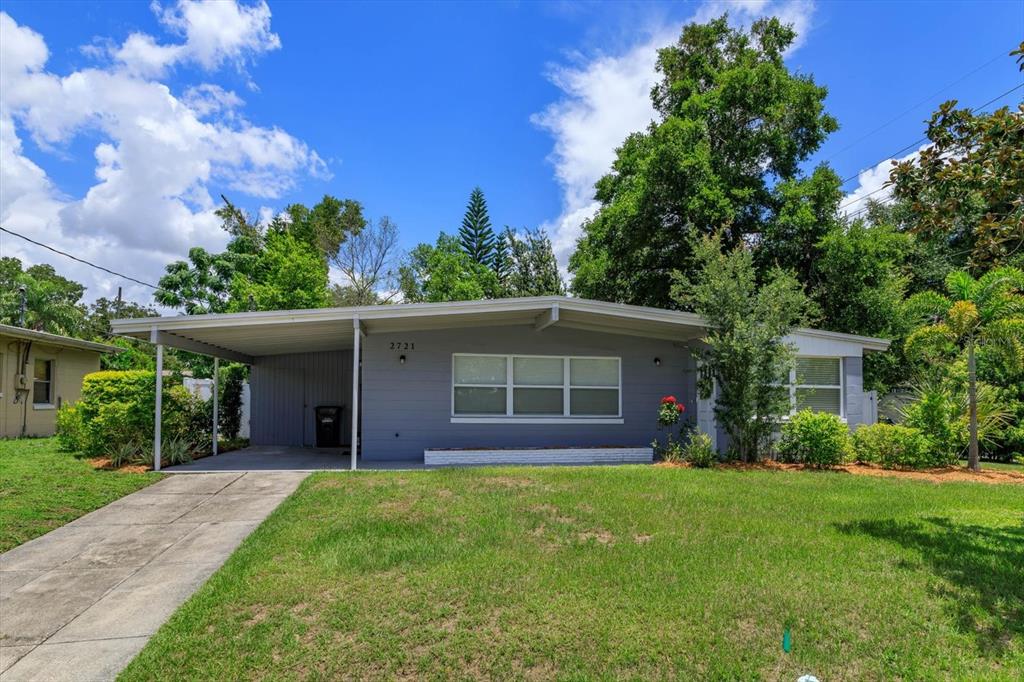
986, 566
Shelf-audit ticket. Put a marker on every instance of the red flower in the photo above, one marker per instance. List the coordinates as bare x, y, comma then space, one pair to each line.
668, 399
679, 406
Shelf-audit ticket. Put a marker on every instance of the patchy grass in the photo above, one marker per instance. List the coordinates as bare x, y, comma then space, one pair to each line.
612, 572
42, 488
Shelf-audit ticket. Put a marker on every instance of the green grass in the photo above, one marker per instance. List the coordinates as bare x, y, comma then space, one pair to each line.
611, 572
42, 488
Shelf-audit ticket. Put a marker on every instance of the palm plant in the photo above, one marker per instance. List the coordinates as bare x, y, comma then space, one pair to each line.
986, 310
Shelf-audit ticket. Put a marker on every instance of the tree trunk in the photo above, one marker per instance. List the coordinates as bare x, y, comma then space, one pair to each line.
972, 397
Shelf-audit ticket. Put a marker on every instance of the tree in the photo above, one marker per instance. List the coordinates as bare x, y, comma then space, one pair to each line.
532, 269
444, 272
258, 259
327, 225
476, 235
733, 122
367, 261
967, 186
745, 354
988, 310
502, 260
52, 303
807, 211
291, 274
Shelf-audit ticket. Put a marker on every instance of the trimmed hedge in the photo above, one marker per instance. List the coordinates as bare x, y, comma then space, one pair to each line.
116, 413
818, 439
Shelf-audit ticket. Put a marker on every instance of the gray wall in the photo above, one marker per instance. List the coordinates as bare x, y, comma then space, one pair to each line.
286, 389
406, 408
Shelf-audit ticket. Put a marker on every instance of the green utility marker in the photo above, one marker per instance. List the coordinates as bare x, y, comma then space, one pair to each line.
787, 640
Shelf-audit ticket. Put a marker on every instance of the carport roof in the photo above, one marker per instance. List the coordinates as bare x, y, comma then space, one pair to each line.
245, 336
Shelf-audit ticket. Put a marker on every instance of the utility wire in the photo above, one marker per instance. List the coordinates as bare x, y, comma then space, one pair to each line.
98, 267
906, 111
914, 144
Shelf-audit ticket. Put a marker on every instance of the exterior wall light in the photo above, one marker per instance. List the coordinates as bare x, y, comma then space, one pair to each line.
401, 359
657, 362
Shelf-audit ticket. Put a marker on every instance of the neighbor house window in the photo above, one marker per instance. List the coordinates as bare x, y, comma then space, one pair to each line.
535, 386
42, 384
817, 384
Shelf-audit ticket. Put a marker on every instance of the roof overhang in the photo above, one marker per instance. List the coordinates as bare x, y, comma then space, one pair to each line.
56, 339
245, 336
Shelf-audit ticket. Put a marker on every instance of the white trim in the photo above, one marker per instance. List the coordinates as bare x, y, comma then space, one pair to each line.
357, 334
536, 420
43, 406
510, 386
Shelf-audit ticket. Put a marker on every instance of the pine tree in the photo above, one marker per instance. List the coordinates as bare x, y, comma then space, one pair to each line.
502, 263
476, 235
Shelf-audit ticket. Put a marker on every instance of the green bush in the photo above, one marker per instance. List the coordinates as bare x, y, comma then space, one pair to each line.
128, 452
892, 446
230, 403
70, 428
938, 416
817, 439
117, 408
699, 452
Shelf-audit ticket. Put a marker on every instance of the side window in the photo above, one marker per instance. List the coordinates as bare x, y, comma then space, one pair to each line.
42, 382
819, 385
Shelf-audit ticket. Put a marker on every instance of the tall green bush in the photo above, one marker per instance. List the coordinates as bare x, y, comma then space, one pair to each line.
230, 401
892, 446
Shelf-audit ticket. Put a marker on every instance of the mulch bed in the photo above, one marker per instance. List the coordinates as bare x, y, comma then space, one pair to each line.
935, 475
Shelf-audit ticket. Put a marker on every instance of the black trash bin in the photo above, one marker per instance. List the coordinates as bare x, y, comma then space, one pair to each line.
328, 426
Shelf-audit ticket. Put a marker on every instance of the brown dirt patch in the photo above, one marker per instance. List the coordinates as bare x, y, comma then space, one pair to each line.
601, 535
935, 475
104, 463
642, 538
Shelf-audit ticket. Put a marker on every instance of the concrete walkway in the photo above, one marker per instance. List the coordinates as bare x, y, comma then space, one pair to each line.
81, 601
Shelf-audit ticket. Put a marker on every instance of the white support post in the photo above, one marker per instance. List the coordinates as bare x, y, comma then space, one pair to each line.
357, 333
216, 412
158, 416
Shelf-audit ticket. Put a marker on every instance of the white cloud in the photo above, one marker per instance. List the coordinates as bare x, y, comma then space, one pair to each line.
215, 32
159, 156
606, 98
871, 185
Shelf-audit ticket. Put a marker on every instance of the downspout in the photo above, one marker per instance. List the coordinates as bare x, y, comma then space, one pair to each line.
21, 393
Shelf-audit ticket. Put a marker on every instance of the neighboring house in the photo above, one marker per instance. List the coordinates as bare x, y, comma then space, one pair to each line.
546, 372
38, 373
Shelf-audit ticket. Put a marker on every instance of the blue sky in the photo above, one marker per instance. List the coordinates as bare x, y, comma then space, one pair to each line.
406, 107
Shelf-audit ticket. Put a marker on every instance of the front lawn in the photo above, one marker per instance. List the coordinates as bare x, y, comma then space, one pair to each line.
610, 572
42, 488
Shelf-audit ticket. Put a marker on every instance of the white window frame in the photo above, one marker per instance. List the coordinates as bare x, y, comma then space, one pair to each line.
793, 386
566, 387
50, 404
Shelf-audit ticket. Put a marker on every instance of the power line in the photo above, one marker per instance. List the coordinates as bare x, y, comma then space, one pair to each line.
938, 92
98, 267
914, 144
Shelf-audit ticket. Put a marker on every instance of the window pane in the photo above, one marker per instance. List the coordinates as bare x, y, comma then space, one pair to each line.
480, 369
819, 399
41, 392
594, 372
819, 371
537, 372
42, 370
594, 401
537, 401
479, 400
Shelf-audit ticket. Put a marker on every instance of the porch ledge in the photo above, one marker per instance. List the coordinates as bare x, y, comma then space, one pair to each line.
581, 455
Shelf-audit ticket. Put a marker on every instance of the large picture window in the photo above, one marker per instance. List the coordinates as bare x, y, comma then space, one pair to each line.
535, 386
817, 384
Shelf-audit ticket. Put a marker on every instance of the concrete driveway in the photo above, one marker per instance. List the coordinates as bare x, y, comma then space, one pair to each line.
81, 601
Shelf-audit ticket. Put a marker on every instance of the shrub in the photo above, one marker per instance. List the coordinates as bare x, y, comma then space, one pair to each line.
177, 450
699, 451
117, 407
671, 451
230, 418
937, 415
70, 428
892, 446
817, 439
127, 452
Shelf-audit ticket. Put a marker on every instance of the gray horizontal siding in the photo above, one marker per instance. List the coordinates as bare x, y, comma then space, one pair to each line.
406, 408
286, 389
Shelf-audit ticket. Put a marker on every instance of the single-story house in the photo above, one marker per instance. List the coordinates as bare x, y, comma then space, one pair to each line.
38, 373
550, 378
